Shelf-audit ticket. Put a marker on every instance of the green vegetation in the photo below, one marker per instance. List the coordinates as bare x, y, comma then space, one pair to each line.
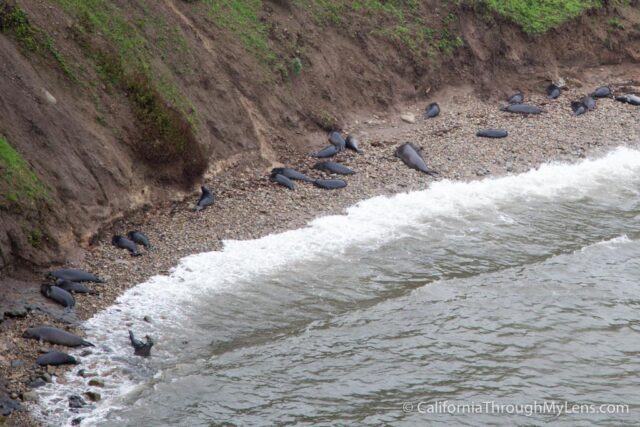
397, 20
615, 23
167, 118
242, 18
18, 183
296, 66
539, 16
14, 20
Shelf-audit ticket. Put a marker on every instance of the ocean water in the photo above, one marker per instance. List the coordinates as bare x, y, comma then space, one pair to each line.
506, 301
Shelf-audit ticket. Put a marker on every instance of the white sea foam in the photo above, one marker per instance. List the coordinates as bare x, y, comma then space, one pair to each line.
371, 222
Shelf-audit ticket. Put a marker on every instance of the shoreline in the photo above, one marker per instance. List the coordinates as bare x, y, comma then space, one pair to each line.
248, 206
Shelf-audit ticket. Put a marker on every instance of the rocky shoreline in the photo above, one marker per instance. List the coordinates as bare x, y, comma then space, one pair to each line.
249, 206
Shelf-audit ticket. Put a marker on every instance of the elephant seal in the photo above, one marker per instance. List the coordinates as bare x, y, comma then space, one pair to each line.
329, 151
74, 275
521, 109
553, 91
578, 108
336, 139
141, 348
283, 180
352, 143
516, 98
492, 133
629, 99
124, 243
74, 287
206, 199
291, 174
58, 295
589, 102
602, 92
432, 110
139, 238
330, 184
55, 358
55, 336
333, 167
410, 155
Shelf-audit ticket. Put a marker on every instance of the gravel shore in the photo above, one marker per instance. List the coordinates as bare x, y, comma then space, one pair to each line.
249, 206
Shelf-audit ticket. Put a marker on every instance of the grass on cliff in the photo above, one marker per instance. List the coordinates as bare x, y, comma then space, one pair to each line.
396, 20
14, 20
126, 62
19, 185
539, 16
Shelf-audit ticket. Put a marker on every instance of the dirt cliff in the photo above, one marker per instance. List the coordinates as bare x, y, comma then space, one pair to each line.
112, 106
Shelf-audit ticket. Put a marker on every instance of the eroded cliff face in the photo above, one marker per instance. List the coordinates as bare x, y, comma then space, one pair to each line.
111, 106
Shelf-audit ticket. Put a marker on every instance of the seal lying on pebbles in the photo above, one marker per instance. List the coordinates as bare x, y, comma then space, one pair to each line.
492, 133
55, 336
336, 139
517, 98
521, 109
206, 199
58, 295
74, 275
283, 180
291, 174
432, 110
330, 184
333, 167
578, 108
352, 143
74, 287
139, 238
602, 92
141, 348
589, 102
553, 91
329, 151
410, 155
124, 243
55, 358
629, 99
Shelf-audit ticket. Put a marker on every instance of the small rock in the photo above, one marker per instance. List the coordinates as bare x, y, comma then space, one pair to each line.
17, 363
7, 406
96, 382
50, 98
14, 395
38, 382
76, 421
409, 118
17, 311
147, 319
46, 377
30, 396
93, 396
86, 353
76, 401
509, 166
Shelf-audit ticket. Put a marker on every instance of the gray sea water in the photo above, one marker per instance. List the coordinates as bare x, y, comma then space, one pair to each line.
509, 301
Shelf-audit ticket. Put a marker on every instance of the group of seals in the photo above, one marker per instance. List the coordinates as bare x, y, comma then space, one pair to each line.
338, 144
65, 283
285, 176
134, 237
